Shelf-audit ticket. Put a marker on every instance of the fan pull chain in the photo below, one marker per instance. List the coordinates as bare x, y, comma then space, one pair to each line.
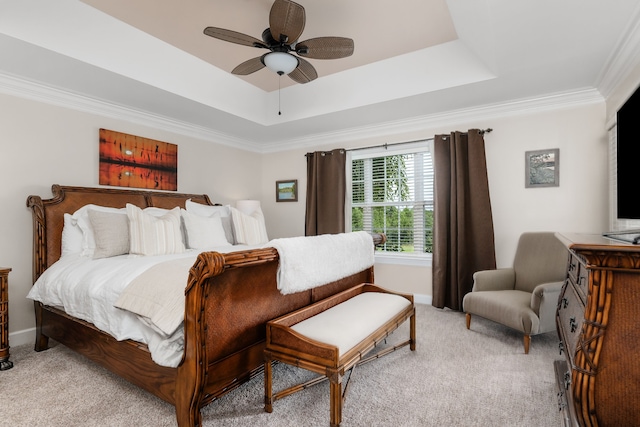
279, 81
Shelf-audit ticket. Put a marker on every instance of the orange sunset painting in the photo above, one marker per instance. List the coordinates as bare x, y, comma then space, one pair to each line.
133, 161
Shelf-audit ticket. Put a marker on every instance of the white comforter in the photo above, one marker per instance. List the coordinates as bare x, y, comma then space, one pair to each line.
88, 289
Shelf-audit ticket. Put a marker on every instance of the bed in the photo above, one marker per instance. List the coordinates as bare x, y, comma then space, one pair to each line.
228, 298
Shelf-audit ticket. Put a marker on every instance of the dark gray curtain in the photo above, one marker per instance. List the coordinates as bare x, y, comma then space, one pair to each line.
463, 240
326, 189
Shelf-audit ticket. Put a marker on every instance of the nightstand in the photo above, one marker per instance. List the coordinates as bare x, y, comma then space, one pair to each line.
4, 320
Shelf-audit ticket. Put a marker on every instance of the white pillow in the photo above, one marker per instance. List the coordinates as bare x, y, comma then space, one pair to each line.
249, 229
152, 210
111, 233
203, 232
208, 211
71, 236
81, 219
150, 235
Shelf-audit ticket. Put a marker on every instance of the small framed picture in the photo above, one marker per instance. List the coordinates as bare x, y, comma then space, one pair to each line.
287, 190
542, 168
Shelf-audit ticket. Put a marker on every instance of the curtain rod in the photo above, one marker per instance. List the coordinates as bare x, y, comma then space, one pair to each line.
386, 145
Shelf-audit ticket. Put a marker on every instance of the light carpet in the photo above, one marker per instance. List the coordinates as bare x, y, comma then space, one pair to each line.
456, 377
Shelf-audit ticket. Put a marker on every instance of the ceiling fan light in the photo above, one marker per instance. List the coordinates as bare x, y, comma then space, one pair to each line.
280, 62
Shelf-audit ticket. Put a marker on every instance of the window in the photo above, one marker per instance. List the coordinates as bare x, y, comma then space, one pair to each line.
392, 193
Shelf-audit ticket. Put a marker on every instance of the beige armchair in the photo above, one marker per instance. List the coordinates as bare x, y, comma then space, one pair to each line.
525, 296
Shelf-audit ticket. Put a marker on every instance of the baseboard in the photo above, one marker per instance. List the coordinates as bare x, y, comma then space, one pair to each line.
422, 299
26, 336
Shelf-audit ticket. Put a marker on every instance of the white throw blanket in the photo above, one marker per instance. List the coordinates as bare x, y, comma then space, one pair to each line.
307, 262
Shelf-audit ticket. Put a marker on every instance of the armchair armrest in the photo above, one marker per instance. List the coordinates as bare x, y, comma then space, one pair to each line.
544, 302
494, 280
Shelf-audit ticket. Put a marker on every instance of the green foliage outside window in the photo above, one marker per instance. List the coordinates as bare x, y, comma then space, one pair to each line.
390, 184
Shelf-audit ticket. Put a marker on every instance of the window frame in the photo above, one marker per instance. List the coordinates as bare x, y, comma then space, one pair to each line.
426, 145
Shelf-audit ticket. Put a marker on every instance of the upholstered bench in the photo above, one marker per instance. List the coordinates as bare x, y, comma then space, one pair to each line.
331, 336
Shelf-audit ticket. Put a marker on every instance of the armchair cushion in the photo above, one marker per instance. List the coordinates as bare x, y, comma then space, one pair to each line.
511, 308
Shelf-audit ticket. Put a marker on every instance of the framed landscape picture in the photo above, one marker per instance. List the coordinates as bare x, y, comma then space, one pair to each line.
287, 190
542, 168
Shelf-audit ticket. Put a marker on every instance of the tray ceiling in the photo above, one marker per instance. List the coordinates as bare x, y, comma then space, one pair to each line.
413, 59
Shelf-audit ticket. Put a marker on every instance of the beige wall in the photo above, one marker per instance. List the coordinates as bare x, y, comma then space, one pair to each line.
42, 145
579, 204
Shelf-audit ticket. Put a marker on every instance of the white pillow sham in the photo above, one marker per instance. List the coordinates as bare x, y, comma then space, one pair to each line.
151, 235
208, 211
203, 232
152, 210
71, 236
249, 229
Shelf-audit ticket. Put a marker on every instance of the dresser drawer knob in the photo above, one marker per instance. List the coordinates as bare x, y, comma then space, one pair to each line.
567, 380
561, 401
565, 302
573, 324
561, 347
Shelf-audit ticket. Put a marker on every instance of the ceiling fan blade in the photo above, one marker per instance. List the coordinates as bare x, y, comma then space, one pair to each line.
304, 72
233, 37
325, 48
286, 21
248, 67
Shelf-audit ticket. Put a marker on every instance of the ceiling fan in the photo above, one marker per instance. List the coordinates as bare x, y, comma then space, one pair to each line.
286, 23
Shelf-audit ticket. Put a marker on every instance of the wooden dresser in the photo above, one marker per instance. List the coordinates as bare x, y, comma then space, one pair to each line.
598, 322
5, 363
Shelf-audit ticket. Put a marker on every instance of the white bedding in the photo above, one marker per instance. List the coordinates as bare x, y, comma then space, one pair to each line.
306, 262
88, 288
91, 289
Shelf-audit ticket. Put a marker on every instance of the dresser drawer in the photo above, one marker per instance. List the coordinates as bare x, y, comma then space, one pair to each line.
570, 318
565, 403
582, 283
572, 267
579, 276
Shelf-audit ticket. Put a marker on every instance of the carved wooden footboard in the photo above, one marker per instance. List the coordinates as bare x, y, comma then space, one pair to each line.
228, 300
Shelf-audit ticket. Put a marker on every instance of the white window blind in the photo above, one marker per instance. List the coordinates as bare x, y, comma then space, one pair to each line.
392, 193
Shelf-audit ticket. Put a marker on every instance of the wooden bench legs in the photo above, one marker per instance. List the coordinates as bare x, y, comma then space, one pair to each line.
268, 386
335, 376
357, 320
336, 403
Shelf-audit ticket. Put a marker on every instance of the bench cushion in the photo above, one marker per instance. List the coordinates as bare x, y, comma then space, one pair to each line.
350, 322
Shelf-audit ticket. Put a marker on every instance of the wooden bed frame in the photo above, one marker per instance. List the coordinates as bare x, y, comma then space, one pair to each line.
228, 300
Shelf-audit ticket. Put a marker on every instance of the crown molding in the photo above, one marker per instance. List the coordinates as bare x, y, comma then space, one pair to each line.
623, 58
35, 91
450, 118
39, 92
